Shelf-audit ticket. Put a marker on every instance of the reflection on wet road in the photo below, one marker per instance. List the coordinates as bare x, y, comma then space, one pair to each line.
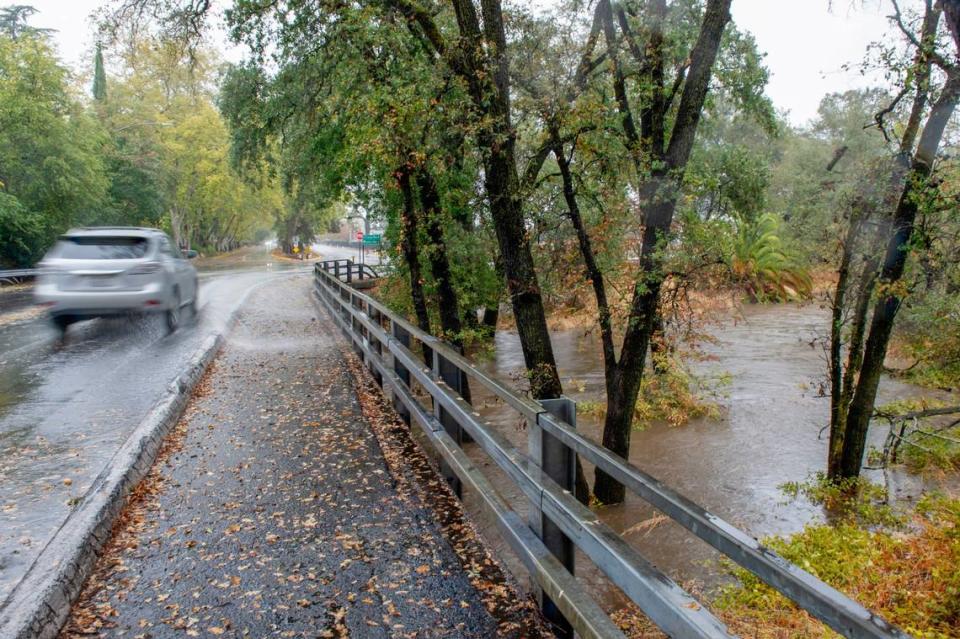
66, 410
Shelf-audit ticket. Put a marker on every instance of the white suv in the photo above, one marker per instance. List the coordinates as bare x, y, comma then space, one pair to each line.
92, 272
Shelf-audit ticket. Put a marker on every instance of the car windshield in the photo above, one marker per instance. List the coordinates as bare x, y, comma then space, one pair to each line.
102, 248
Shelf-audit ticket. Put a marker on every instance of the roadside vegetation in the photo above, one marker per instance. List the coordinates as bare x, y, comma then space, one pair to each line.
901, 567
612, 166
142, 145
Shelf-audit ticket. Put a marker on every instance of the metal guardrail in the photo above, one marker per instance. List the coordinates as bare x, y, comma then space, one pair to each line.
16, 276
559, 521
348, 271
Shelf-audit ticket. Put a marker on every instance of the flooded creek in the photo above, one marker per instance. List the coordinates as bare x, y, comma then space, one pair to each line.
768, 433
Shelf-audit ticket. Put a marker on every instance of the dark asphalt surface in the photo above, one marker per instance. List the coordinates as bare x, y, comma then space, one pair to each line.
274, 513
66, 410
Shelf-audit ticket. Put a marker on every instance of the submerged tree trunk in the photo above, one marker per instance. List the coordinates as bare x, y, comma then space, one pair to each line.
892, 289
594, 274
658, 197
835, 354
855, 397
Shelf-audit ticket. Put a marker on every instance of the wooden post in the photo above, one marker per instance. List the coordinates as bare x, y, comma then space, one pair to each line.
558, 462
445, 370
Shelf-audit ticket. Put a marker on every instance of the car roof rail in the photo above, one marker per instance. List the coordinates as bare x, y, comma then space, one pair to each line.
144, 229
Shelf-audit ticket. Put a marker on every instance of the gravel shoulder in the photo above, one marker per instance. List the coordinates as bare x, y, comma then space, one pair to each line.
288, 502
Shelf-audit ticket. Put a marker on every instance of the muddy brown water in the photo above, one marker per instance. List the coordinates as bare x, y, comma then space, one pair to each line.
768, 368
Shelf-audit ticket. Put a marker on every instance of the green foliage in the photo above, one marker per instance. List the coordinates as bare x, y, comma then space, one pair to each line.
99, 89
51, 151
154, 152
853, 499
930, 332
22, 233
928, 443
910, 579
822, 168
924, 451
760, 264
13, 22
136, 192
729, 180
673, 395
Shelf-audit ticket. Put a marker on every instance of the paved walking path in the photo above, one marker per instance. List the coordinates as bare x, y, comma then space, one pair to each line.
273, 512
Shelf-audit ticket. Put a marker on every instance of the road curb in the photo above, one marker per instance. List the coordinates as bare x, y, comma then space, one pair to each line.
40, 603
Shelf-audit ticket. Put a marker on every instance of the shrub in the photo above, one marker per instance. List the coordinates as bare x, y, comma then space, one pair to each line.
908, 578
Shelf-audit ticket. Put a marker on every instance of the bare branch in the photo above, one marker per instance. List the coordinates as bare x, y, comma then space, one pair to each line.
926, 48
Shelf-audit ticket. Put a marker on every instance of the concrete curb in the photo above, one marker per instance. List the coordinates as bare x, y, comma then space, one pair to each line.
39, 605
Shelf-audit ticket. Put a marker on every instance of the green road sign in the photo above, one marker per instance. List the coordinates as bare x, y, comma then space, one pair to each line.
373, 238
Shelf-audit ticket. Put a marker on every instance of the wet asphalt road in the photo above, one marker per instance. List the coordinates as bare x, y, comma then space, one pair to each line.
66, 410
275, 513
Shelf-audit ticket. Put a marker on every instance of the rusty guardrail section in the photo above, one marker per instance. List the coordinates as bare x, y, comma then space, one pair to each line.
558, 522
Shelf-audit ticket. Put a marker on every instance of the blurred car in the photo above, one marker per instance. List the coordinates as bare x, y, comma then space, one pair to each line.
95, 272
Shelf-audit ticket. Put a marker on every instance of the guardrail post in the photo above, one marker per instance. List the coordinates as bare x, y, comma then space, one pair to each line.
559, 463
344, 297
375, 345
336, 270
357, 327
401, 335
450, 374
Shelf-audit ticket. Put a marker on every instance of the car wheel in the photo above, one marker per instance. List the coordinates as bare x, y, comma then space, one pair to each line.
173, 313
193, 302
61, 323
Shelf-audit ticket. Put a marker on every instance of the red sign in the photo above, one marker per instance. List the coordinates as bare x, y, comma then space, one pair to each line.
359, 236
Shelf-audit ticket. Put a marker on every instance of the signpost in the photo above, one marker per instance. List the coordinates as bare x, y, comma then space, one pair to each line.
360, 246
369, 239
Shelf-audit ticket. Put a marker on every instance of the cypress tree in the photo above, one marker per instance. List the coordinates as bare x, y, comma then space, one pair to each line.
99, 77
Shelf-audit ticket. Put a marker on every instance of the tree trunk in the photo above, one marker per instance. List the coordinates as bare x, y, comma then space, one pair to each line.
408, 246
595, 275
480, 60
449, 301
625, 387
658, 196
886, 308
835, 355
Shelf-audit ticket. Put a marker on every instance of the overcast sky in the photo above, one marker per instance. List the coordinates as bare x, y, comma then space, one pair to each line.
806, 43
